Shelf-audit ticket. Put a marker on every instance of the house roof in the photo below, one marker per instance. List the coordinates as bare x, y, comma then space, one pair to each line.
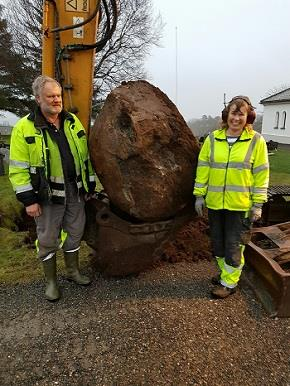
281, 96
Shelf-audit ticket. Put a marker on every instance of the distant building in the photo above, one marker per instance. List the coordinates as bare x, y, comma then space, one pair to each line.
7, 118
276, 117
5, 129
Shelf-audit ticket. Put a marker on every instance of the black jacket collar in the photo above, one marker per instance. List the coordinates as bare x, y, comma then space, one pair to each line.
40, 122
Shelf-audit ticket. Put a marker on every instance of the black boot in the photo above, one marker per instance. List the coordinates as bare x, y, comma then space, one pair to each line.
222, 292
49, 268
72, 268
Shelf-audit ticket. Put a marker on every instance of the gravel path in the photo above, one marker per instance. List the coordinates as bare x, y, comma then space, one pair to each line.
160, 328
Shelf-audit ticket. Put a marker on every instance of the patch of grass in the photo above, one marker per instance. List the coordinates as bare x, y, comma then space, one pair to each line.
18, 260
10, 208
280, 178
280, 167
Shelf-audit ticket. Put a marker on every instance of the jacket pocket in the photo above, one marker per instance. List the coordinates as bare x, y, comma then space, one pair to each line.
40, 183
30, 140
34, 149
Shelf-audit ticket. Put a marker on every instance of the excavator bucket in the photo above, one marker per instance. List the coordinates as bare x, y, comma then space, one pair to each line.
268, 267
124, 246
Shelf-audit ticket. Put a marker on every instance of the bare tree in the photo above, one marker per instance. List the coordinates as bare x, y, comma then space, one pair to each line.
203, 126
121, 58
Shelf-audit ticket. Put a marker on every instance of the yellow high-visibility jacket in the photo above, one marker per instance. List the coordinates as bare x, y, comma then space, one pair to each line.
233, 177
35, 168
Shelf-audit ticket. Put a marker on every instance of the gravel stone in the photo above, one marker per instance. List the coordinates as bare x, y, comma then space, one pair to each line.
159, 328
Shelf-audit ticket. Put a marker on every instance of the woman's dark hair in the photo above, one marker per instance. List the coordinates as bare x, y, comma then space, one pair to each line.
239, 101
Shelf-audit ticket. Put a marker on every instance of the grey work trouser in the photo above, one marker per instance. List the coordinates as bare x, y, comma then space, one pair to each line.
69, 217
228, 229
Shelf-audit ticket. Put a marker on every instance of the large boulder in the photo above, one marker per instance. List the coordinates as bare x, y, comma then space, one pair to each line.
144, 153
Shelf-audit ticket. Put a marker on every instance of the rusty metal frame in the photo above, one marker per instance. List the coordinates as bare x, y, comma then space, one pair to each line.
123, 247
269, 276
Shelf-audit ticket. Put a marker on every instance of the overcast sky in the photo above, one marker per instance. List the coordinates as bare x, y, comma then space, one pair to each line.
223, 46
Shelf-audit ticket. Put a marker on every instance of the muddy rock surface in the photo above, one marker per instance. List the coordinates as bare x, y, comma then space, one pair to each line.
143, 152
159, 328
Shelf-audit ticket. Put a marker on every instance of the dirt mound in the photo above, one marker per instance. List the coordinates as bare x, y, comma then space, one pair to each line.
191, 243
143, 152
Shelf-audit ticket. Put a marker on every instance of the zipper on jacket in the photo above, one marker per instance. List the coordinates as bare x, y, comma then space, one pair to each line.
47, 163
80, 162
82, 166
229, 155
225, 180
45, 160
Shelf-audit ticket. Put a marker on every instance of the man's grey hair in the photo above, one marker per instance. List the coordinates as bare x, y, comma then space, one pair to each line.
39, 83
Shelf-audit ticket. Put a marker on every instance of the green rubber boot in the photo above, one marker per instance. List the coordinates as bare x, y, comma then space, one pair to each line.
71, 260
52, 292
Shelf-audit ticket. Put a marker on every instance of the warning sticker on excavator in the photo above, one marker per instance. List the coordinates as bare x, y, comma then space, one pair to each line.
78, 32
77, 5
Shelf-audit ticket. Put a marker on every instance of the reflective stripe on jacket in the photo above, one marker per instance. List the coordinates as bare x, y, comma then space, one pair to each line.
233, 177
29, 153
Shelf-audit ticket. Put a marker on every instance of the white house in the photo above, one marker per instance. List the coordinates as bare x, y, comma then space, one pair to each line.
276, 117
7, 118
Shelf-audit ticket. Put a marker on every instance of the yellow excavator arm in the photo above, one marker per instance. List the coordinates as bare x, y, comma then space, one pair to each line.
69, 37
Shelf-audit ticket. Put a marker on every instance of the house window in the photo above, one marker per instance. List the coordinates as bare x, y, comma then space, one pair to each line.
283, 120
276, 125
